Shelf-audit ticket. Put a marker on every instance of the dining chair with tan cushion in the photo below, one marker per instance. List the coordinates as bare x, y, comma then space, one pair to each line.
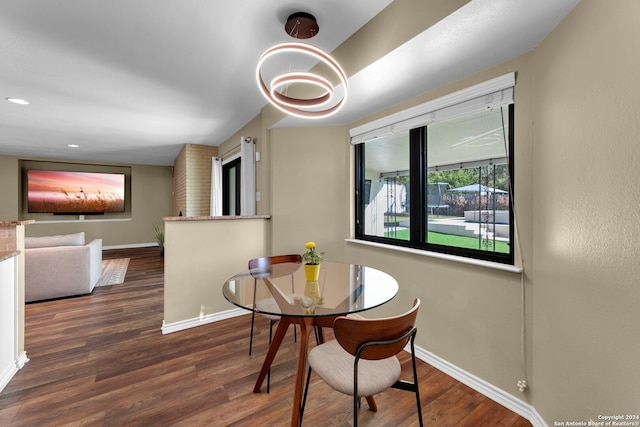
362, 361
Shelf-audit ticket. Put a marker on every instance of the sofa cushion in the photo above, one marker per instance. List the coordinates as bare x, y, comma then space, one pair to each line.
75, 239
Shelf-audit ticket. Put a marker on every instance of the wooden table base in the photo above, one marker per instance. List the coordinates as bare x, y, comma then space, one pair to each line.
307, 324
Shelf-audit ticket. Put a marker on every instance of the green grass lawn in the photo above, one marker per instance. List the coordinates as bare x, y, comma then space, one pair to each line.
452, 240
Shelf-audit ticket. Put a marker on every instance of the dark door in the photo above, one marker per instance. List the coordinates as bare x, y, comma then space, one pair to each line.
231, 188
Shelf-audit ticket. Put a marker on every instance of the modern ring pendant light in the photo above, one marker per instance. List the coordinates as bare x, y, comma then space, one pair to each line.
301, 26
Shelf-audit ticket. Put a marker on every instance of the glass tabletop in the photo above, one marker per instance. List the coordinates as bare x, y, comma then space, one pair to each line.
282, 289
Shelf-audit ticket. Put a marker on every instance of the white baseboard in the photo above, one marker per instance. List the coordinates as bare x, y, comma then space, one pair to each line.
11, 369
168, 328
536, 419
500, 396
7, 373
130, 246
22, 359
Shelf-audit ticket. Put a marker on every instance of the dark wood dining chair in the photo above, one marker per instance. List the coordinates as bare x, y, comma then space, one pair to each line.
259, 266
362, 360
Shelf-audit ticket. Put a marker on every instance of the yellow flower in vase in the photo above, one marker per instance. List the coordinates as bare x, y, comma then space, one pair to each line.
311, 256
312, 259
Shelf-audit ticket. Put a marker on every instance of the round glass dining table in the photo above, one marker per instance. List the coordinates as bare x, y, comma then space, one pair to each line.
282, 290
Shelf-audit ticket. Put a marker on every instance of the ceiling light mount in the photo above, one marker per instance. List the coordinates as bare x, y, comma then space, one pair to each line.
301, 25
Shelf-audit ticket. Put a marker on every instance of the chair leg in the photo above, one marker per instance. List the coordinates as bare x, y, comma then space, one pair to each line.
356, 399
356, 405
415, 382
295, 335
373, 406
253, 314
304, 396
271, 323
268, 379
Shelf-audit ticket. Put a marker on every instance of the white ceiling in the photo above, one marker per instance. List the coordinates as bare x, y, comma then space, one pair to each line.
132, 81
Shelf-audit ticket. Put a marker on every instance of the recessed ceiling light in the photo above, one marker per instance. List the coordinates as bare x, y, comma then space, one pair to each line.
73, 145
18, 101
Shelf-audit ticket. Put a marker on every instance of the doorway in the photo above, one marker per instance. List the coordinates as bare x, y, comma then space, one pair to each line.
231, 185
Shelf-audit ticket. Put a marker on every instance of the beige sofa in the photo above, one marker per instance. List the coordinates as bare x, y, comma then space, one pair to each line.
61, 266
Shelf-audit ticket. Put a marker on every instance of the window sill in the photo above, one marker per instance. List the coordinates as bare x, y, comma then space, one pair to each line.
471, 261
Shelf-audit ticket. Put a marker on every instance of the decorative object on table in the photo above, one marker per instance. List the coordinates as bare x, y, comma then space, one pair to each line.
312, 259
312, 290
159, 233
312, 297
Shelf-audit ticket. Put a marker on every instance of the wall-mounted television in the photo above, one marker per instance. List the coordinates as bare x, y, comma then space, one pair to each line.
68, 193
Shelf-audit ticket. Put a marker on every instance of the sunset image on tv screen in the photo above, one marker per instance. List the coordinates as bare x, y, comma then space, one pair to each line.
74, 192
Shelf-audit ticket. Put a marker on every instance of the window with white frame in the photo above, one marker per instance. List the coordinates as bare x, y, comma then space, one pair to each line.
438, 177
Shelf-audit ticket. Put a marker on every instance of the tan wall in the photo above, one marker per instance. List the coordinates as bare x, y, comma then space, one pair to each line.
151, 188
398, 22
200, 256
470, 315
586, 217
9, 188
192, 180
310, 189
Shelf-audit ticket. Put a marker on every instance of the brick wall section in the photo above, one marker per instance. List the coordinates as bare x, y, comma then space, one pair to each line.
192, 180
7, 239
180, 183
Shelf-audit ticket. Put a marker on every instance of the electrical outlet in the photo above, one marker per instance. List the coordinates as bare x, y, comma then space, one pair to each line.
522, 385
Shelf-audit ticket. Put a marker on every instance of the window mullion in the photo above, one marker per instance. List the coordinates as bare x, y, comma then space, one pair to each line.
417, 203
359, 196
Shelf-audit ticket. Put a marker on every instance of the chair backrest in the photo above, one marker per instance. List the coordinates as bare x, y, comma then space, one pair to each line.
351, 333
276, 259
268, 266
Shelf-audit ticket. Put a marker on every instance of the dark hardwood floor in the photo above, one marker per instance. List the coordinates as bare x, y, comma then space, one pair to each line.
101, 360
